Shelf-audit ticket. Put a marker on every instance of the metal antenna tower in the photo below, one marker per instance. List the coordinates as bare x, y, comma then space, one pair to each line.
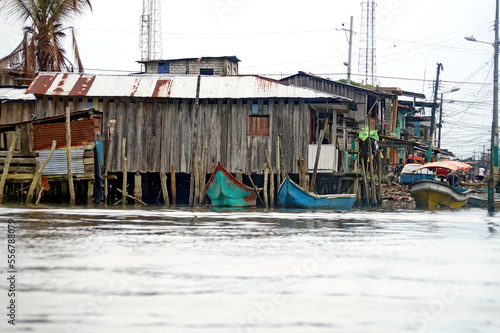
367, 50
150, 37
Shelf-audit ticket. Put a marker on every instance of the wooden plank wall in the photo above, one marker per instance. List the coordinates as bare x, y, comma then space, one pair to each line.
14, 112
159, 132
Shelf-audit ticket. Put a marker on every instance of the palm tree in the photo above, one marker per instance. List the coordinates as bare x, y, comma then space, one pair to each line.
42, 45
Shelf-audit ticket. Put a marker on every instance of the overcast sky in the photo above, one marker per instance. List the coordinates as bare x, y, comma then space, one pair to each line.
282, 37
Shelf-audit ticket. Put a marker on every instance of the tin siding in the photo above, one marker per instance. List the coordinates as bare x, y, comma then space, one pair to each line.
58, 164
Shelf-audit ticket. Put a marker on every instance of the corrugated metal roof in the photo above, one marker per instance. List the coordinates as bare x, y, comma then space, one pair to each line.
15, 94
170, 86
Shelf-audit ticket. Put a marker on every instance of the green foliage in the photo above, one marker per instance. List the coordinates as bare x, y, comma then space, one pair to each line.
356, 83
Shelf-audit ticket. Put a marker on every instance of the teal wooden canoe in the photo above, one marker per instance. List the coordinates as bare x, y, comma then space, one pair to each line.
226, 191
291, 195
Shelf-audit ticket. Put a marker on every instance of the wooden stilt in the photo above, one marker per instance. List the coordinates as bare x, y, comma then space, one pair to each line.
111, 131
124, 172
38, 174
203, 174
303, 173
379, 176
71, 186
355, 190
239, 176
7, 165
365, 182
282, 158
90, 192
173, 185
195, 147
138, 188
163, 181
266, 185
196, 199
271, 179
312, 187
39, 197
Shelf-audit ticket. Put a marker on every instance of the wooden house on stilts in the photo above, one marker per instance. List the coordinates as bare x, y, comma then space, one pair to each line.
156, 125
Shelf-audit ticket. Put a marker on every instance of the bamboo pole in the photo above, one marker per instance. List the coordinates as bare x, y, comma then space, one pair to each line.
6, 165
173, 184
68, 157
124, 172
312, 187
163, 182
266, 185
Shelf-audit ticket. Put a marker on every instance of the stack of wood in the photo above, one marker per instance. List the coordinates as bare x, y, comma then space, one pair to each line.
396, 196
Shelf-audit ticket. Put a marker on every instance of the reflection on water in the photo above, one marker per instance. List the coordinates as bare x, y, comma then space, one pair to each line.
205, 270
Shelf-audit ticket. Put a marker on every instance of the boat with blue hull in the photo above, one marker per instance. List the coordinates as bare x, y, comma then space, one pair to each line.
226, 191
291, 195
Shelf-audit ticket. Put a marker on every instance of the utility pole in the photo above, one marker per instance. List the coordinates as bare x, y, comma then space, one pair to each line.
433, 113
494, 125
349, 60
440, 121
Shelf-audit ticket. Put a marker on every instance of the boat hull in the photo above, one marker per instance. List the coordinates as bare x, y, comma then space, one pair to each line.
226, 191
481, 200
291, 195
432, 194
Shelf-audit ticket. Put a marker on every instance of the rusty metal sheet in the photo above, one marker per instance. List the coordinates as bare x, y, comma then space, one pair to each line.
171, 86
82, 85
41, 84
82, 133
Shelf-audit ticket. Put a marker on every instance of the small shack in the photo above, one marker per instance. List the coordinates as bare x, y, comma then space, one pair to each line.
33, 142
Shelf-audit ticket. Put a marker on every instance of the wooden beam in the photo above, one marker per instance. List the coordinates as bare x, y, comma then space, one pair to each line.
6, 166
318, 151
38, 173
163, 182
68, 157
124, 172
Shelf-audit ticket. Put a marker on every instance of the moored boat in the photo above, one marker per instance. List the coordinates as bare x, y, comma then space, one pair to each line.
434, 194
291, 195
481, 199
226, 191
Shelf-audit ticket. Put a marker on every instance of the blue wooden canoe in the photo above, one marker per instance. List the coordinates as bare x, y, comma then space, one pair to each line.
291, 195
226, 191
